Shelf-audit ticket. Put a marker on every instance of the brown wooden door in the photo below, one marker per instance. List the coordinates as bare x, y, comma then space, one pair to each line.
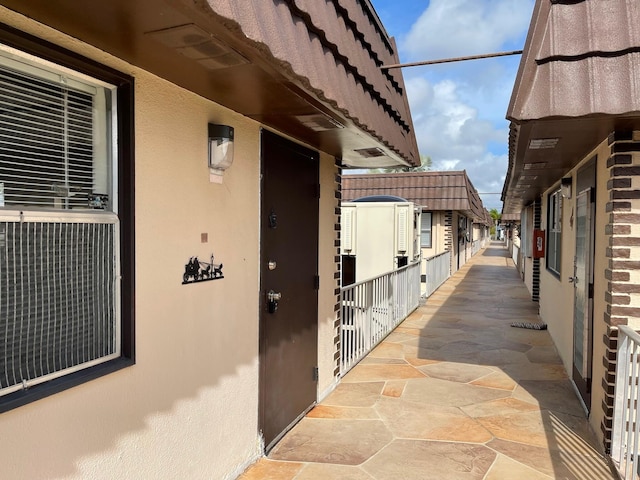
289, 266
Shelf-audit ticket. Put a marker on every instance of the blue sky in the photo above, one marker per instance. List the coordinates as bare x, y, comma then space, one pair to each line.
459, 109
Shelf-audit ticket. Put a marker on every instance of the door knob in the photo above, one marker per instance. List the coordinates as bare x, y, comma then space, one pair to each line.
573, 279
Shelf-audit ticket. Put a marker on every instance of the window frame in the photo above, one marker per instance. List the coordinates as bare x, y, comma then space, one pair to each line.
125, 180
553, 254
430, 230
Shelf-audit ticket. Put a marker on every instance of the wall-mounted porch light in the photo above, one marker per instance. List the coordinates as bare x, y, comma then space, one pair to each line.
220, 151
565, 187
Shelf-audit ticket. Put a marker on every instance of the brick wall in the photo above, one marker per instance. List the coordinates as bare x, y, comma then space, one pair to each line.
623, 252
448, 237
537, 225
336, 340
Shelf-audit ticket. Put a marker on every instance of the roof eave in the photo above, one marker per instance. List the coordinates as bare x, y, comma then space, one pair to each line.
258, 85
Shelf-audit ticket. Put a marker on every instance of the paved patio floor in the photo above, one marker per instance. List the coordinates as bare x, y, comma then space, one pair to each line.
454, 392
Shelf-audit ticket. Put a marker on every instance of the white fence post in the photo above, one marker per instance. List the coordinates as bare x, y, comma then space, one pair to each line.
625, 437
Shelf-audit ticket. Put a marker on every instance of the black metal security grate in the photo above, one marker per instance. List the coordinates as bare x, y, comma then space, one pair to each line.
58, 298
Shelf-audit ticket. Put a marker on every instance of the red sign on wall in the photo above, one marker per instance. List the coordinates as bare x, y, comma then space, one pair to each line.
538, 243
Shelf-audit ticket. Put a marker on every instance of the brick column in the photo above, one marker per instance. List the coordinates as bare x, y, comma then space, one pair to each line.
337, 308
537, 225
623, 274
448, 236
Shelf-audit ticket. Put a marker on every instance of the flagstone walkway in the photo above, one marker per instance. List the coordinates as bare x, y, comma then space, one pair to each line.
454, 392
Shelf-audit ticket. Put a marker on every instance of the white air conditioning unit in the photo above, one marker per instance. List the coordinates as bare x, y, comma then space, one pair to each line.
407, 231
402, 230
378, 237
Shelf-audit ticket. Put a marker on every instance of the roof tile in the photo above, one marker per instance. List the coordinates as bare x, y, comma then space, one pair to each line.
449, 190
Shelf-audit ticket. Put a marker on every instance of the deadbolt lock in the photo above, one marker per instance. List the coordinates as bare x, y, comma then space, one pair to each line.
272, 300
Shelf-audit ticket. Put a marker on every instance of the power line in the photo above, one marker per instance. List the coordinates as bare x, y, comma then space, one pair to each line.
450, 60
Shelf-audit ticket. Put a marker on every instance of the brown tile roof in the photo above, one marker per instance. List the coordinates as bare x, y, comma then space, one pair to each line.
577, 83
581, 58
336, 48
450, 190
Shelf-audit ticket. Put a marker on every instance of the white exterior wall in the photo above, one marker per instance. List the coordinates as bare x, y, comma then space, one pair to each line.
189, 407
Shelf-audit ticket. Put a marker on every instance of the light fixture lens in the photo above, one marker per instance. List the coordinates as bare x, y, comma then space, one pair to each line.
220, 150
565, 187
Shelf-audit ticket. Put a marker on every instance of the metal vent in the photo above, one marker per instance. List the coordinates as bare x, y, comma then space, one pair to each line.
402, 234
193, 42
543, 143
535, 166
371, 152
319, 122
348, 227
58, 296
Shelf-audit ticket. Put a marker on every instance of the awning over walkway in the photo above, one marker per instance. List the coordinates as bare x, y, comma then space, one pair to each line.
309, 69
577, 83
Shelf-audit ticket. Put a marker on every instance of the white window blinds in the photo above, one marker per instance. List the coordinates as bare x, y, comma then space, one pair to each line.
425, 230
48, 138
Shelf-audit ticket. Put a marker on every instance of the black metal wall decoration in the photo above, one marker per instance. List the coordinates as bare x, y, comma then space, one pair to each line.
197, 271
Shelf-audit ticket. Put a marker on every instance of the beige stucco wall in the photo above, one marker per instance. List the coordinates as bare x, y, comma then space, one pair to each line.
189, 407
556, 294
477, 232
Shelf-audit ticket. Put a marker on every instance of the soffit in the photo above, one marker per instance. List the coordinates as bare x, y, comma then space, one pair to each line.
306, 68
532, 171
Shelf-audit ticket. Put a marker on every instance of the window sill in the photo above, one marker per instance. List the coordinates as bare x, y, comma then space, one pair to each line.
43, 390
554, 274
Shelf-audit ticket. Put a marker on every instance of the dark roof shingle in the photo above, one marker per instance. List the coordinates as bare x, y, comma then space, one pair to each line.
450, 190
581, 58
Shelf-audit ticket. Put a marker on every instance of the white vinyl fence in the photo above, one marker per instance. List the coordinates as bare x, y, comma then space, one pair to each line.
626, 427
515, 255
476, 246
437, 270
373, 308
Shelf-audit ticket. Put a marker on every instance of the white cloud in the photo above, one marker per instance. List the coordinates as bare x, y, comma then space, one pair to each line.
451, 28
459, 109
450, 131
